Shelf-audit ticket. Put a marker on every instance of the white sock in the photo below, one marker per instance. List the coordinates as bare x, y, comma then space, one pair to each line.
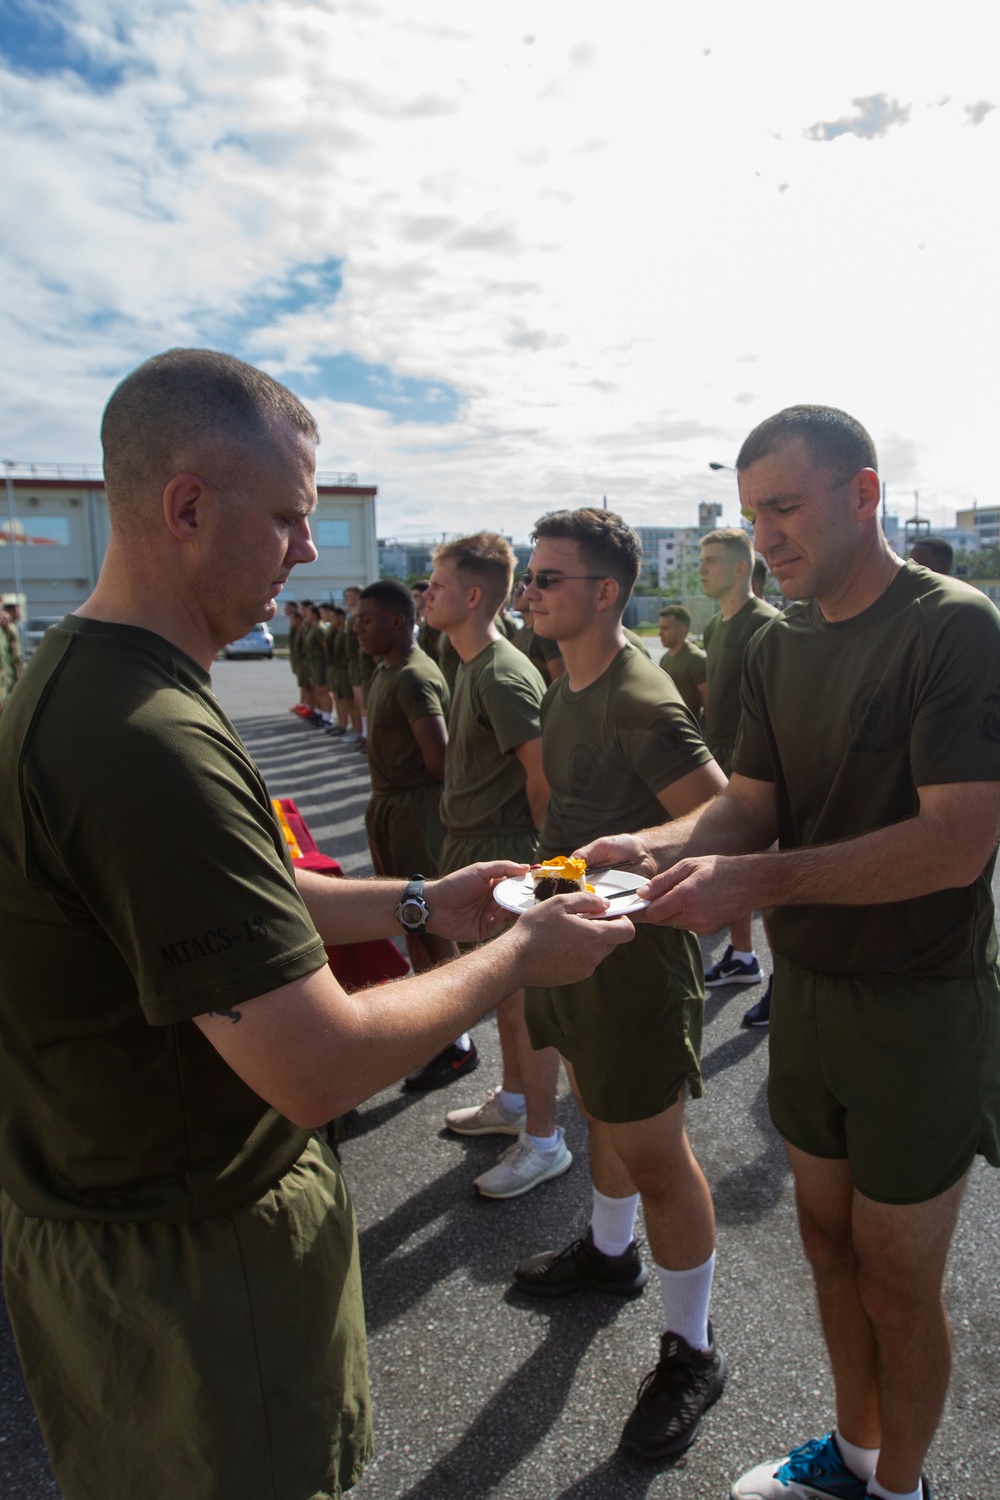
612, 1223
464, 1042
744, 958
860, 1461
686, 1296
511, 1104
543, 1142
327, 718
874, 1488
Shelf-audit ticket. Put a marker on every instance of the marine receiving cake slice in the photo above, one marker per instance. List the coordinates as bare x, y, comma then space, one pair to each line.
558, 875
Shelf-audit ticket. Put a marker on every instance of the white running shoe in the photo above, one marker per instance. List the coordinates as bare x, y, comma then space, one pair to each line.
488, 1118
522, 1167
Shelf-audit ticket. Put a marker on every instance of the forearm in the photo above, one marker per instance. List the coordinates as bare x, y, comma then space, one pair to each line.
898, 863
538, 801
723, 826
351, 911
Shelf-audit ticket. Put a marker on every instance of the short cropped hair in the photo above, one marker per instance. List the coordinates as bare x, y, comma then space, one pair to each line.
485, 559
335, 609
394, 595
607, 544
833, 439
164, 416
939, 553
679, 613
759, 575
734, 539
420, 587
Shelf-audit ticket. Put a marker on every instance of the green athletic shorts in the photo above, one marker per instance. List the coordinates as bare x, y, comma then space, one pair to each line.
223, 1360
404, 832
517, 844
317, 670
302, 675
898, 1076
632, 1031
342, 683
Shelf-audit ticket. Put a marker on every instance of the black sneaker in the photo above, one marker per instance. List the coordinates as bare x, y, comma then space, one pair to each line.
730, 970
760, 1014
450, 1064
673, 1398
581, 1267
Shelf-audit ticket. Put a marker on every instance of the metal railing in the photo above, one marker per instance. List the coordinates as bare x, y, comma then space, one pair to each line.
18, 469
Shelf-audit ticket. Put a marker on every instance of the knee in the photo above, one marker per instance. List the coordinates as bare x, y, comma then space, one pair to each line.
891, 1299
660, 1175
828, 1246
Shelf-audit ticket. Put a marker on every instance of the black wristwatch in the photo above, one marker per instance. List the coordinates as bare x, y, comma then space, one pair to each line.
413, 911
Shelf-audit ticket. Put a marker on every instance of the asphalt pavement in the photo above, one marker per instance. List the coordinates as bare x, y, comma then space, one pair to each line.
479, 1391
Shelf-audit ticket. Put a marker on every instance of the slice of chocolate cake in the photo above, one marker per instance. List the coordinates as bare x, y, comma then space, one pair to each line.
558, 875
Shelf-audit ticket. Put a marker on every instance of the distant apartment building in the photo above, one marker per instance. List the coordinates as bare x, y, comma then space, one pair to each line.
415, 559
54, 532
983, 522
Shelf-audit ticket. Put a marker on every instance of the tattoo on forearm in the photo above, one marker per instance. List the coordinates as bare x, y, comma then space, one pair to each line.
231, 1015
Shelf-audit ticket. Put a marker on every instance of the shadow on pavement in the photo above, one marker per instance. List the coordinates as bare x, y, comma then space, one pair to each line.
753, 1190
521, 1413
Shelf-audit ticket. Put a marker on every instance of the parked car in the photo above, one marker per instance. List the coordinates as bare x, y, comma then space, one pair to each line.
258, 641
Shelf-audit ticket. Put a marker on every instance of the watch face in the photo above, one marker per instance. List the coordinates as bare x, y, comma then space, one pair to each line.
412, 913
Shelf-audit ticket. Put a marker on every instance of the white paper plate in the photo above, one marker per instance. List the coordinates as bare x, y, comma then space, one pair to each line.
519, 895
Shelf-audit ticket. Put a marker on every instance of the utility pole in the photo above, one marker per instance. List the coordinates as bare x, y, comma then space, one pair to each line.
15, 556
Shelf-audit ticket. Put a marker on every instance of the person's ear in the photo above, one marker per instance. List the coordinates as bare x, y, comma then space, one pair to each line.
184, 503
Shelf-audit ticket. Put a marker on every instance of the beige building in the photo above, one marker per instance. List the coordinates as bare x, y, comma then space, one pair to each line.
54, 531
983, 521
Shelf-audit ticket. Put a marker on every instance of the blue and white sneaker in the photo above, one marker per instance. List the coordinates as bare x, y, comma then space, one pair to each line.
730, 970
815, 1471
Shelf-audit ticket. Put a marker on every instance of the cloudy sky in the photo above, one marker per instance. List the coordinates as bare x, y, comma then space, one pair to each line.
514, 256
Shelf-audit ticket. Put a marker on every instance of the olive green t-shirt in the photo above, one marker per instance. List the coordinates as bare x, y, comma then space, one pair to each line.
539, 649
428, 639
143, 881
610, 749
448, 660
314, 648
687, 671
397, 697
495, 708
725, 647
6, 666
848, 719
295, 639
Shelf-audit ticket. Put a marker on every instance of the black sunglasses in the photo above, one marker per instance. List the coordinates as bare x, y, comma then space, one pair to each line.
546, 580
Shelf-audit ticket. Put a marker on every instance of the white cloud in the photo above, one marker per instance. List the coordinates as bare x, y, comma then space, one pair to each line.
613, 240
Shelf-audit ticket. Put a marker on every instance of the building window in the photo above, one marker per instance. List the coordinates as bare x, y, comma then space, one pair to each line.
333, 533
35, 531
